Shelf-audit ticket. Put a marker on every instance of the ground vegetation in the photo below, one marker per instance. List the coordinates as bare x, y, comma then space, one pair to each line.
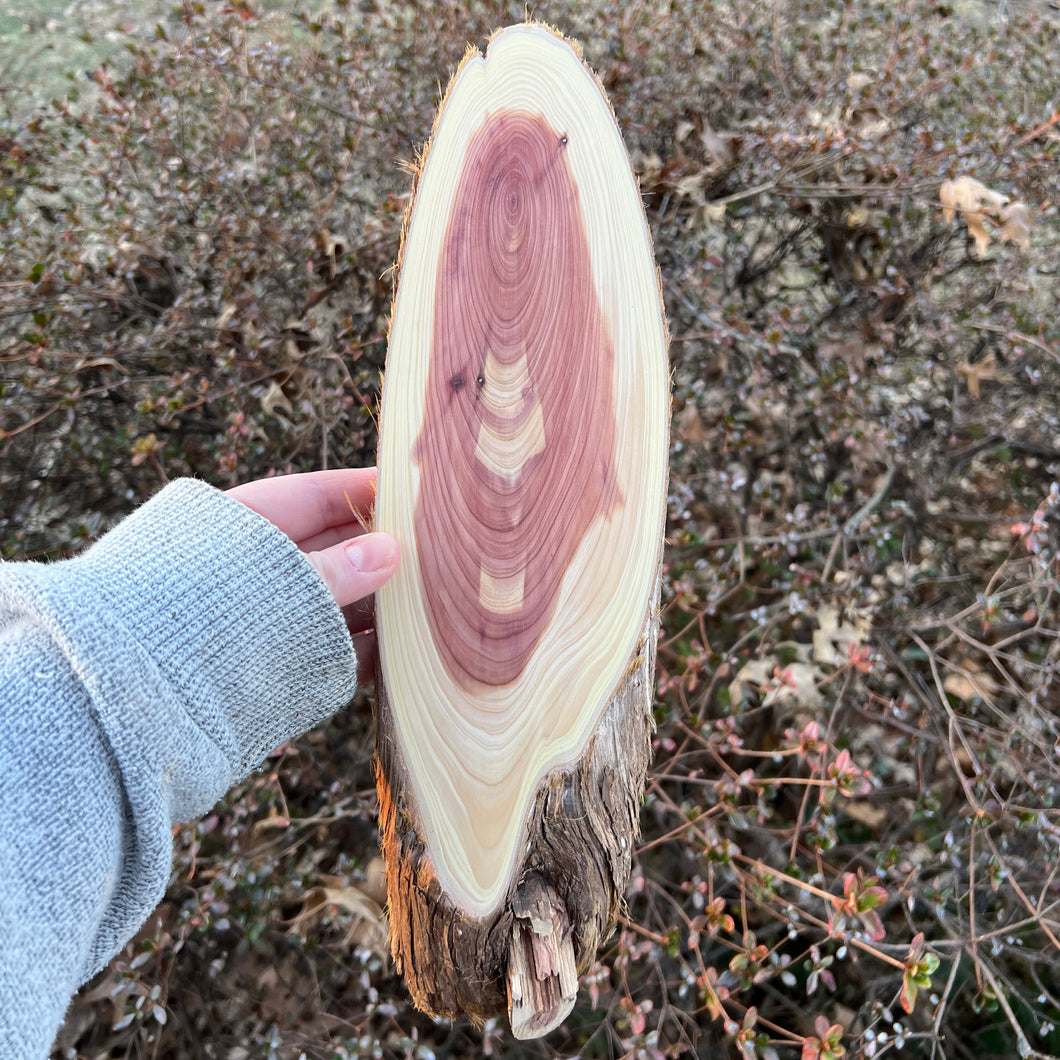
850, 836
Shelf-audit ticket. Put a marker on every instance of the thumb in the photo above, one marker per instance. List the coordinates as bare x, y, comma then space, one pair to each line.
356, 568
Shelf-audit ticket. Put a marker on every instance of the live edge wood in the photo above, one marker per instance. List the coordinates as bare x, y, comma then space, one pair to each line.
527, 955
522, 467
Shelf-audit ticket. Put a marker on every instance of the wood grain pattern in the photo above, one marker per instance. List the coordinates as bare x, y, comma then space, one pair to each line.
522, 467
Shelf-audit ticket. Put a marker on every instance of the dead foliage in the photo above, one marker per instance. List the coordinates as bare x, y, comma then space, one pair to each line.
850, 837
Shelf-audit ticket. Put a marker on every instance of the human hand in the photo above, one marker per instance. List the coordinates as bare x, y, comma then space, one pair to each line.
321, 513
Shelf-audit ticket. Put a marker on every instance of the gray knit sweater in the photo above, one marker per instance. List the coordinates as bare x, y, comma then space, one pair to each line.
138, 682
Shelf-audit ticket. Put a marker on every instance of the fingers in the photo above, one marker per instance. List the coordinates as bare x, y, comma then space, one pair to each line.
334, 535
325, 514
303, 506
355, 569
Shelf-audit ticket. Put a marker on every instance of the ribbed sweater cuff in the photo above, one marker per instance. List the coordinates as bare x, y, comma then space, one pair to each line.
236, 619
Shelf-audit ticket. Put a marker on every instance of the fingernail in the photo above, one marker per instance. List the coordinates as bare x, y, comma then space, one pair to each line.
372, 552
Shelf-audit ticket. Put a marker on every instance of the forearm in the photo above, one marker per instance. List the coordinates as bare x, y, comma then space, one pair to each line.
63, 832
140, 681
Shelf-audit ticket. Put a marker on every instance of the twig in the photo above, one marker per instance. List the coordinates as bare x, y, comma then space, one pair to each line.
954, 727
1023, 1046
827, 569
1036, 132
1018, 336
940, 1008
4, 435
1033, 908
872, 503
973, 942
833, 900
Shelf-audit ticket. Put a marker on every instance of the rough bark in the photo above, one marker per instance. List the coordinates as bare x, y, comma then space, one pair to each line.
523, 451
579, 839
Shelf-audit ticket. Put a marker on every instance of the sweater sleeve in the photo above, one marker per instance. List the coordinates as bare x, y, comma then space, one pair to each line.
138, 682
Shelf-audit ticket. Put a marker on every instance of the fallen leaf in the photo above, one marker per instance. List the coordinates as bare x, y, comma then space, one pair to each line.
720, 147
648, 169
794, 682
857, 217
369, 927
865, 812
980, 372
869, 123
832, 639
969, 684
714, 212
689, 425
977, 203
1018, 225
274, 398
374, 885
691, 186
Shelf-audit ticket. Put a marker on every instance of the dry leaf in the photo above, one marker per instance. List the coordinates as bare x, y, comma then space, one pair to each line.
832, 639
1018, 225
369, 927
228, 312
692, 185
274, 398
374, 885
750, 678
689, 425
798, 681
980, 372
329, 251
648, 169
714, 212
968, 684
720, 147
977, 203
866, 812
869, 122
794, 682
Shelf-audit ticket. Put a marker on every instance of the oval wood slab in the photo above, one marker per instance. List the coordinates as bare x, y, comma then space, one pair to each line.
522, 467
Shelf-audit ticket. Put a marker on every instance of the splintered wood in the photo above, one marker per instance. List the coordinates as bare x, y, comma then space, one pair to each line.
522, 467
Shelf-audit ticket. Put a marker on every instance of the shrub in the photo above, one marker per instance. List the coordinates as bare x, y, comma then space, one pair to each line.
850, 836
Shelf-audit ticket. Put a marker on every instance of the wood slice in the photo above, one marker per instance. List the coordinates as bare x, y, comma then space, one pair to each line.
522, 467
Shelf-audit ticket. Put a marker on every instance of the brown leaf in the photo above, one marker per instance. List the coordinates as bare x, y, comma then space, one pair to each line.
977, 203
369, 927
1018, 225
689, 425
968, 683
866, 812
274, 398
720, 147
980, 372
